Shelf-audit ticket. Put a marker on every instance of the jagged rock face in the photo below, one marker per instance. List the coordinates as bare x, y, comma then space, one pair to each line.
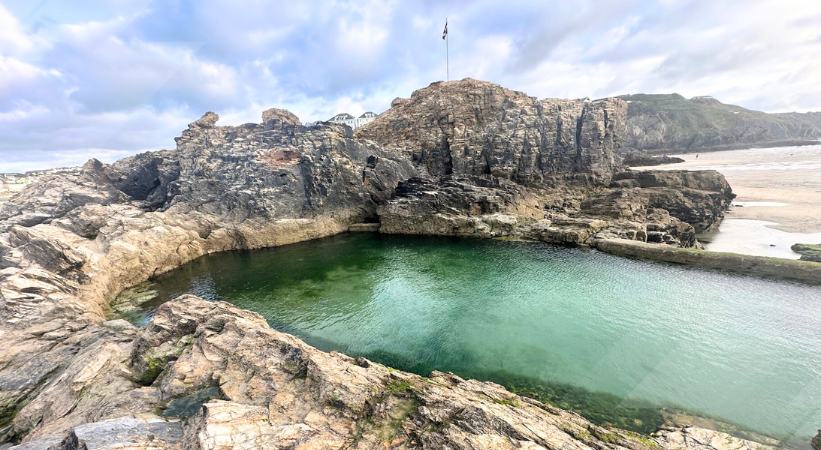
69, 242
274, 169
654, 206
475, 128
697, 198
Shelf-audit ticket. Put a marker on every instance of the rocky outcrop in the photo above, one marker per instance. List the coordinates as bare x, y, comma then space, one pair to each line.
640, 159
702, 439
495, 162
808, 252
661, 207
228, 381
476, 128
70, 242
670, 122
762, 266
484, 162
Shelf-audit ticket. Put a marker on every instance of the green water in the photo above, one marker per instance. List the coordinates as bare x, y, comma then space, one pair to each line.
613, 338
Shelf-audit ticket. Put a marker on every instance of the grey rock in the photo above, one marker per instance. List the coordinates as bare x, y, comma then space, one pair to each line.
125, 432
280, 117
475, 128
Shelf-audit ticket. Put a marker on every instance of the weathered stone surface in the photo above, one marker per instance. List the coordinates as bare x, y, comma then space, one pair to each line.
472, 127
641, 159
71, 241
764, 266
144, 432
278, 392
703, 439
279, 117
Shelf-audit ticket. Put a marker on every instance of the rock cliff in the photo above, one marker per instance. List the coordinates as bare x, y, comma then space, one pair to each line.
495, 162
473, 127
486, 162
670, 122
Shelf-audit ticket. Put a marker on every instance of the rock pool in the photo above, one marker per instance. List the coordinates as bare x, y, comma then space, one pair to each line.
615, 339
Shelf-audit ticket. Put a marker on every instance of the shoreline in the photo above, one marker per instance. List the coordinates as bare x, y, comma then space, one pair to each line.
125, 279
775, 184
729, 147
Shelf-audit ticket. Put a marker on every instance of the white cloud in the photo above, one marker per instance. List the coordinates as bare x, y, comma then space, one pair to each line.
126, 76
13, 39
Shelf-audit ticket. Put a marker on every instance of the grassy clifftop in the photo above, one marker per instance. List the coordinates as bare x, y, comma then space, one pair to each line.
671, 122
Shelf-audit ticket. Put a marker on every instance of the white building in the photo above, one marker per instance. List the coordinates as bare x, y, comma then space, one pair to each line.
351, 121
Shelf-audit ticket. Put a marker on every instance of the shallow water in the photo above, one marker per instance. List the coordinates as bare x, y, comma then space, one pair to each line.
611, 337
779, 198
756, 237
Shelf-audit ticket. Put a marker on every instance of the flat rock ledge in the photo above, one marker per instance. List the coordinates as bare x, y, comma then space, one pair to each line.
808, 272
208, 375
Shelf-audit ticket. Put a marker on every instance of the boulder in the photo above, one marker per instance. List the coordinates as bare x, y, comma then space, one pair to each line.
281, 116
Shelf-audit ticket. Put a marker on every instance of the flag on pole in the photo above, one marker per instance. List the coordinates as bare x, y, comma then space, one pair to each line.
445, 32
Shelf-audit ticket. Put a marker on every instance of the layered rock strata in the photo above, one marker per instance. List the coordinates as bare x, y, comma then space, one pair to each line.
495, 162
486, 162
478, 128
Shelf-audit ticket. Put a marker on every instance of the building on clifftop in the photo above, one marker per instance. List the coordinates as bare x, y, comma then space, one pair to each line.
351, 121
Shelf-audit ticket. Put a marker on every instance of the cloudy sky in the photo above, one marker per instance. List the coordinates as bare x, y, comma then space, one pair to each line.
109, 78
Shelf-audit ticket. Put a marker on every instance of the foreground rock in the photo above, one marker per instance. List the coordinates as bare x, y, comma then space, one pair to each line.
70, 242
485, 162
244, 385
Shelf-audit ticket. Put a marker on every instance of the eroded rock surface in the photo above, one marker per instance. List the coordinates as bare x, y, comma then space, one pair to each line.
464, 158
271, 390
547, 168
474, 127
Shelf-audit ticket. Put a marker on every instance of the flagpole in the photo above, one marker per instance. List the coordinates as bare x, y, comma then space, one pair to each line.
447, 57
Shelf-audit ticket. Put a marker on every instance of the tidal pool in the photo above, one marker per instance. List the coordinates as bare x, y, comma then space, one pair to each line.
615, 339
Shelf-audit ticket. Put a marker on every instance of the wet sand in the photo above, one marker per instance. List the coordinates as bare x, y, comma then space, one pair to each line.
779, 197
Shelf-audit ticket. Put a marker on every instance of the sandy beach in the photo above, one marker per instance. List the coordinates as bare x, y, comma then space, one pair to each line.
779, 197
